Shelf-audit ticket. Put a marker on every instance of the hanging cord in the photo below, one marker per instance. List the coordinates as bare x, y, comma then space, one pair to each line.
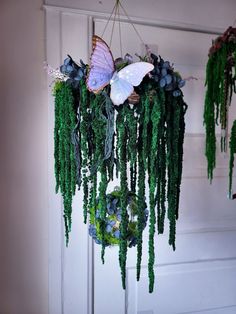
135, 29
121, 50
113, 25
108, 20
116, 13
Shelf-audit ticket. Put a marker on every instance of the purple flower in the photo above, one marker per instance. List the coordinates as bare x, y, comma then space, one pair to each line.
168, 79
98, 241
181, 83
117, 234
108, 228
118, 217
110, 208
176, 93
162, 82
92, 230
111, 222
166, 65
163, 72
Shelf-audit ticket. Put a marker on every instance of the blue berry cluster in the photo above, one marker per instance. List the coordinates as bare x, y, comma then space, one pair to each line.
113, 220
164, 74
73, 71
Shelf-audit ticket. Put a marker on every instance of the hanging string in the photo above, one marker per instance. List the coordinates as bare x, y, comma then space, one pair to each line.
108, 20
121, 50
135, 29
113, 25
116, 12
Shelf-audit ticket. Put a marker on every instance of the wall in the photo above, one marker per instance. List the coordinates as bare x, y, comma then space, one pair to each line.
205, 252
23, 160
214, 13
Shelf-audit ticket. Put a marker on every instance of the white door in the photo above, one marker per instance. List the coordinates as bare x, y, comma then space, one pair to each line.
199, 277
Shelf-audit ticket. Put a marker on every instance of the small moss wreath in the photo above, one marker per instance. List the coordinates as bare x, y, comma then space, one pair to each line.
113, 220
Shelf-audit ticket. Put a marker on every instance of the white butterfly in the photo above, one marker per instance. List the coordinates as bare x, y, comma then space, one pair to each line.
102, 72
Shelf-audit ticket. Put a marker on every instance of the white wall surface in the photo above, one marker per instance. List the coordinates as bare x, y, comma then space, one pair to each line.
23, 159
214, 13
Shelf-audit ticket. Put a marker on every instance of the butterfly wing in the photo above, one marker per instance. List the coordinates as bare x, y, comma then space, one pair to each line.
122, 82
101, 66
135, 72
120, 91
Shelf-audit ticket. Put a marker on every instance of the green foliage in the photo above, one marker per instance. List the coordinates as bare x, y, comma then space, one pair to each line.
155, 121
143, 141
232, 145
65, 166
122, 150
220, 83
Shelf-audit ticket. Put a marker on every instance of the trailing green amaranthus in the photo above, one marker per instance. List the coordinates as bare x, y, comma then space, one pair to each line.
64, 154
139, 142
232, 145
220, 84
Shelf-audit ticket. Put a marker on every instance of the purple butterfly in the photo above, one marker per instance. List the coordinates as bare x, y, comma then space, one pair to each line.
102, 72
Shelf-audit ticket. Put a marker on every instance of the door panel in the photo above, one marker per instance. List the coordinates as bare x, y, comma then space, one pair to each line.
69, 284
198, 277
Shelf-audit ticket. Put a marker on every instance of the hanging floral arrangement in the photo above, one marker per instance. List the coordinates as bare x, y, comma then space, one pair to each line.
220, 84
123, 119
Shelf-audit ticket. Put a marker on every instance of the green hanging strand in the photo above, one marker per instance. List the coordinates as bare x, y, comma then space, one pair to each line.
132, 146
141, 206
232, 145
98, 125
77, 150
97, 164
122, 129
161, 185
223, 86
131, 136
160, 198
220, 84
57, 123
109, 154
65, 165
110, 113
145, 133
84, 131
103, 205
155, 119
173, 122
141, 190
209, 122
182, 107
